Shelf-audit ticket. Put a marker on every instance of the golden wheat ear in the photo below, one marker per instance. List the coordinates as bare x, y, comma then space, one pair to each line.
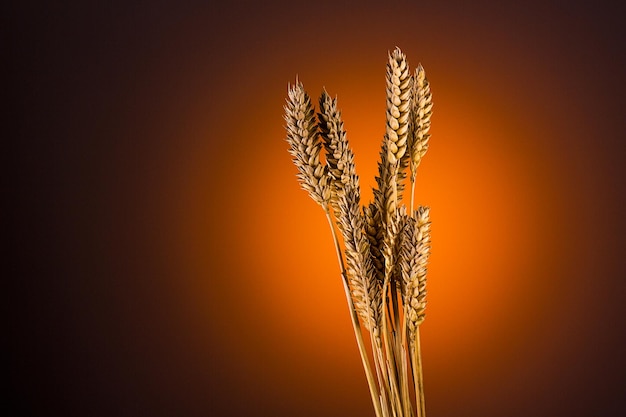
413, 260
421, 110
394, 157
364, 287
339, 156
305, 145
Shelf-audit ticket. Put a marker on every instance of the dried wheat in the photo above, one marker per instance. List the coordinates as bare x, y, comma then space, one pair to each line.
421, 110
386, 250
413, 259
339, 156
364, 287
305, 145
396, 133
375, 234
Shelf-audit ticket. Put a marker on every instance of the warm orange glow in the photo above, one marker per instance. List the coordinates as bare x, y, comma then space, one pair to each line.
164, 262
262, 238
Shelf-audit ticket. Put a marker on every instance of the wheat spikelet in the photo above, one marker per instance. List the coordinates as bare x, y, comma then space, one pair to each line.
339, 156
383, 181
375, 234
364, 287
305, 145
421, 110
391, 241
413, 259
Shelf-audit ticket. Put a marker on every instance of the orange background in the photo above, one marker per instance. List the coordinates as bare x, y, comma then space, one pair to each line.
165, 261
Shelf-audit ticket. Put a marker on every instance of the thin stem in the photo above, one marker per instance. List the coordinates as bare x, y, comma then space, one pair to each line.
405, 375
396, 311
416, 362
383, 384
412, 194
420, 374
412, 354
391, 362
397, 332
371, 381
396, 328
382, 372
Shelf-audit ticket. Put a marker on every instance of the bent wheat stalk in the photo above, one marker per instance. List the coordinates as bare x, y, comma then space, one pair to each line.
383, 251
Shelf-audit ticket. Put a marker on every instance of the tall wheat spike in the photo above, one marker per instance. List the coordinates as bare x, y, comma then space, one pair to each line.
391, 173
339, 156
345, 200
305, 145
386, 249
421, 110
366, 290
413, 260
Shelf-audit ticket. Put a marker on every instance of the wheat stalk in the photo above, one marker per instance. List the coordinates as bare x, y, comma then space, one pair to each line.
386, 250
305, 147
365, 287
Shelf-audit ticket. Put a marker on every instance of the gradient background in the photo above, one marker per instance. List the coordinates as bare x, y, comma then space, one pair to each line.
163, 261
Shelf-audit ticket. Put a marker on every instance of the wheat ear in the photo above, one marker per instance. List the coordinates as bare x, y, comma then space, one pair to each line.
421, 110
413, 259
339, 156
345, 200
305, 145
391, 168
398, 82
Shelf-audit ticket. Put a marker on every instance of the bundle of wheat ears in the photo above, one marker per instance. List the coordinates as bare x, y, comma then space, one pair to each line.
384, 250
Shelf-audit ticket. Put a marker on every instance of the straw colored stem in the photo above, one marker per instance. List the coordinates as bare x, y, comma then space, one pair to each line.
405, 375
412, 195
391, 362
371, 381
416, 362
397, 331
381, 373
420, 377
